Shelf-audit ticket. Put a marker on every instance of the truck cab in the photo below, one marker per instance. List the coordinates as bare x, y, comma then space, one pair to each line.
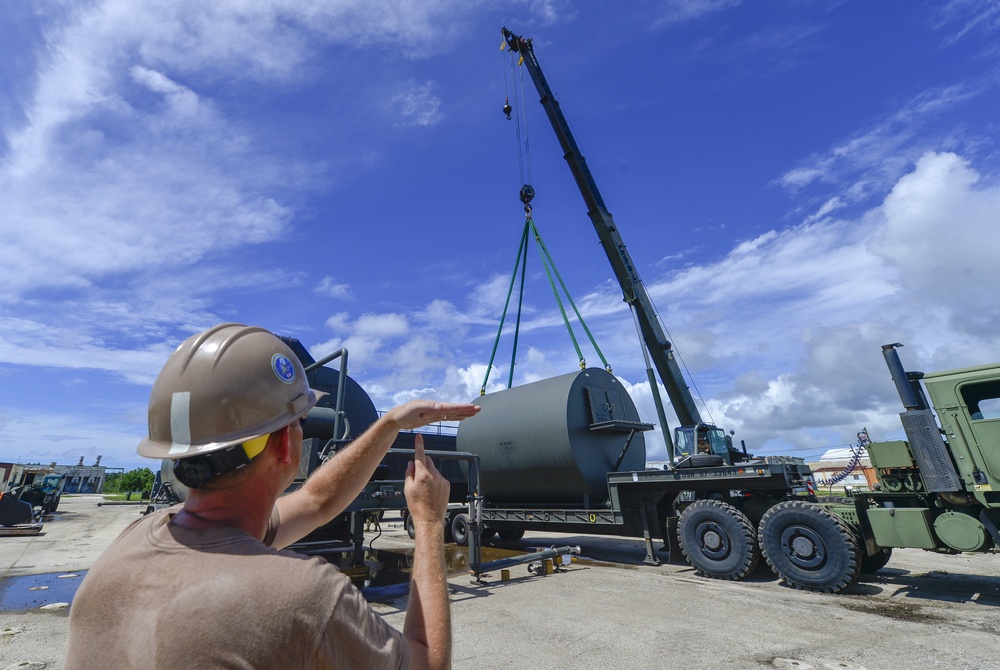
967, 402
940, 488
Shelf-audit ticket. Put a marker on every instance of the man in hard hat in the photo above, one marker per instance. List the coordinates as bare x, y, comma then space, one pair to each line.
206, 585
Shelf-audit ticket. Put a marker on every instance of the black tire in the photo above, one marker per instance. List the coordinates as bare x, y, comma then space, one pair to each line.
810, 547
511, 535
718, 540
411, 530
460, 529
876, 562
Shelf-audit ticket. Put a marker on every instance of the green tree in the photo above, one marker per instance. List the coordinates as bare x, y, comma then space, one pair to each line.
112, 482
140, 479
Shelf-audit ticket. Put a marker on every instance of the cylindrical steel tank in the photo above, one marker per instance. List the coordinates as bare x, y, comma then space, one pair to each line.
555, 440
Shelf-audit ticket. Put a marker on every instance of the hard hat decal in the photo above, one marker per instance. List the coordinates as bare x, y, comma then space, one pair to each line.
180, 422
283, 368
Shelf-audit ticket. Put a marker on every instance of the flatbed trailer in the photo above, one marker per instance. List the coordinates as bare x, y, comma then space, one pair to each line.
648, 503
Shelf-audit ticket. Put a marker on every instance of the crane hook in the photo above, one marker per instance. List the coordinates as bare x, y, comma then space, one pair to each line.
507, 109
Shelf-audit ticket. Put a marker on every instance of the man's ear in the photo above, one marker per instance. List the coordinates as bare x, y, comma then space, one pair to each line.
282, 444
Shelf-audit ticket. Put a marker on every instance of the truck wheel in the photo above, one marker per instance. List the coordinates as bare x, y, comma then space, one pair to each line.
810, 547
512, 535
870, 564
460, 529
411, 530
717, 540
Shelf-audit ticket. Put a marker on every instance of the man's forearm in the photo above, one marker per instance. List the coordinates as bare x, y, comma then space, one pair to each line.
332, 487
427, 628
342, 478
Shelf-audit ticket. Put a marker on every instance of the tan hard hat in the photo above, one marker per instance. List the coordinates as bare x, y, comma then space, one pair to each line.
222, 387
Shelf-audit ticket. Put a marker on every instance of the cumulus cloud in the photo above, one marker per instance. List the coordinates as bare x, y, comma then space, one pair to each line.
911, 269
782, 337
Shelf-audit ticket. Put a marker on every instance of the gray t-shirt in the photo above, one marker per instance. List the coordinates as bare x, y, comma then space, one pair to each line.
162, 596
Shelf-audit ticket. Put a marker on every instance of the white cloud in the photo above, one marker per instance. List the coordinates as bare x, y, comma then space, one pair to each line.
971, 16
810, 307
126, 175
329, 287
418, 105
869, 163
679, 11
63, 433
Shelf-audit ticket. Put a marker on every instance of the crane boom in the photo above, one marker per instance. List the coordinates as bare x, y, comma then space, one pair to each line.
633, 290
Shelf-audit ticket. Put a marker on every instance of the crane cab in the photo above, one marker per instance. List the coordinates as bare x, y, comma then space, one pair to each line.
702, 438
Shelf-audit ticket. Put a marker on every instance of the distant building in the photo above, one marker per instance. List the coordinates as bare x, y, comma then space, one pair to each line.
835, 462
77, 478
82, 478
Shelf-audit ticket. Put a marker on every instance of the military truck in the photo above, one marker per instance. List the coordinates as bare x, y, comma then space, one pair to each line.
938, 490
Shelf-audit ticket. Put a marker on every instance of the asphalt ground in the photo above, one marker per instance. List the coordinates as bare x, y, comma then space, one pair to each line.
606, 610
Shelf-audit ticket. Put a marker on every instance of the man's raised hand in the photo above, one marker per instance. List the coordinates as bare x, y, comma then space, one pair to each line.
418, 413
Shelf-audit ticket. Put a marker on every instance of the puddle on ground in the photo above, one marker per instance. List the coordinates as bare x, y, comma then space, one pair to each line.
387, 576
29, 592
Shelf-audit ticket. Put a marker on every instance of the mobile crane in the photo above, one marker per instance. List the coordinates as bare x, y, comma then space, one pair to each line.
707, 505
692, 429
726, 509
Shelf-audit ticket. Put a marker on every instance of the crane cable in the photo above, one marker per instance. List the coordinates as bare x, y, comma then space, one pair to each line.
527, 193
519, 106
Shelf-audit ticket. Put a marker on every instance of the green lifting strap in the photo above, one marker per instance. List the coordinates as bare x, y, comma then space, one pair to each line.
550, 270
521, 260
545, 255
546, 263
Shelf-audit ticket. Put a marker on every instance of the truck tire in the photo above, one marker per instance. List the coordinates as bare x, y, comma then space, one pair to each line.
876, 562
810, 547
460, 529
717, 540
411, 530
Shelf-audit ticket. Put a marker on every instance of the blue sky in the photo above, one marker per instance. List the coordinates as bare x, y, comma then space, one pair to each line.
798, 183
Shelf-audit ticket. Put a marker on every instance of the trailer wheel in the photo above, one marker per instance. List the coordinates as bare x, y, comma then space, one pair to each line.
512, 535
411, 530
810, 547
460, 529
718, 540
876, 562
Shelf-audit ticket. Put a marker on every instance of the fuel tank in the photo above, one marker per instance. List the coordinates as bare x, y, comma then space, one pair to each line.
554, 441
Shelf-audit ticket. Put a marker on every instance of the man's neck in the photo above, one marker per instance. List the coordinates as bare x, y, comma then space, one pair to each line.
227, 508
